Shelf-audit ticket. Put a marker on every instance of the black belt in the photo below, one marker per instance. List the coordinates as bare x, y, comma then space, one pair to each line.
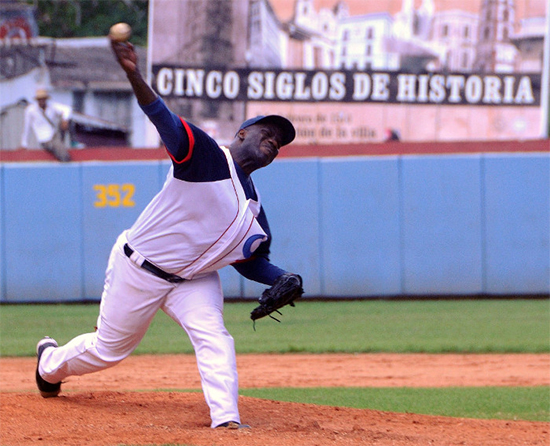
172, 278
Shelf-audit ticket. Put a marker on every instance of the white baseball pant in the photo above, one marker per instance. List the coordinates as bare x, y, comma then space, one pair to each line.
130, 299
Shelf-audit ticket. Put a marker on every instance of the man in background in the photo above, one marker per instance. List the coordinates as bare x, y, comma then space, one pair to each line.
391, 135
48, 121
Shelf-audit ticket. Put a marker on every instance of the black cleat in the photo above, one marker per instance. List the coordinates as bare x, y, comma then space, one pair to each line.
233, 425
47, 390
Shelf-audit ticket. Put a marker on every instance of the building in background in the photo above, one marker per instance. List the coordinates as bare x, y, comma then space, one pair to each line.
495, 52
17, 21
268, 42
227, 38
425, 38
529, 40
215, 38
84, 74
314, 35
80, 73
454, 38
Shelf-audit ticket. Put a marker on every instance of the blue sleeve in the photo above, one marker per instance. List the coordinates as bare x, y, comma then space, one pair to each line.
195, 155
169, 126
259, 269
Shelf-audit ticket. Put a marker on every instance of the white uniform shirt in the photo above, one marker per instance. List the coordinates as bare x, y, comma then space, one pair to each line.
208, 213
197, 227
36, 122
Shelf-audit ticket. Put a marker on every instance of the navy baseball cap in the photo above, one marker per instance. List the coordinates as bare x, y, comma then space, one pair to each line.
288, 133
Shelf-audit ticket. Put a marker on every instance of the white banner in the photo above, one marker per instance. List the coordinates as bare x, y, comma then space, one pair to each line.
428, 69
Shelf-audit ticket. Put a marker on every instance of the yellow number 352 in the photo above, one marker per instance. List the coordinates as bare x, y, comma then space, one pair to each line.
114, 195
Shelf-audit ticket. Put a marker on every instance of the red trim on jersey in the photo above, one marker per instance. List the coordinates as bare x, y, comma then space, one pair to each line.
221, 235
252, 257
191, 143
233, 248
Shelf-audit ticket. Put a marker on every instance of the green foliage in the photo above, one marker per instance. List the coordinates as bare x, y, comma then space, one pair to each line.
505, 403
90, 18
470, 326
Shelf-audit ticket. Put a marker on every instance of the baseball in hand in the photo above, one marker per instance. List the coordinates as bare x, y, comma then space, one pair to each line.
120, 32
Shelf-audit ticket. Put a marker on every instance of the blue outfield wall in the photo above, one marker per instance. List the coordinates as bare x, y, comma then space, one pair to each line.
408, 225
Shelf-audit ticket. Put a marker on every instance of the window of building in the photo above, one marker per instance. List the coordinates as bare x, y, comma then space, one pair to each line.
115, 106
78, 101
505, 33
331, 59
445, 31
464, 60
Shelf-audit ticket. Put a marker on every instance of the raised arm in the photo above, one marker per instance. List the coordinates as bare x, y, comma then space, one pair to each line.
167, 123
127, 58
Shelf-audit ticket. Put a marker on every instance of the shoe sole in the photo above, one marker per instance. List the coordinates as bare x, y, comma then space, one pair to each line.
41, 382
233, 425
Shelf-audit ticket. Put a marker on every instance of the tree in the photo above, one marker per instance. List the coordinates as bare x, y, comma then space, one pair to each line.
90, 18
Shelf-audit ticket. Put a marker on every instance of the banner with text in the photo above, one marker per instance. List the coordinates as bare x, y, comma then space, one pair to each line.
347, 86
354, 71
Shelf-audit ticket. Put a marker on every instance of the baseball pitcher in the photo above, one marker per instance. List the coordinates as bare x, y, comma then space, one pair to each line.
207, 215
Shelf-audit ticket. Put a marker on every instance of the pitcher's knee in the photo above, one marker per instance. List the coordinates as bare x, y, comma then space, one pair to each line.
112, 353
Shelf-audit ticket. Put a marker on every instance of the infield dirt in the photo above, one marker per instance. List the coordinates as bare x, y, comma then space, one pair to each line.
119, 407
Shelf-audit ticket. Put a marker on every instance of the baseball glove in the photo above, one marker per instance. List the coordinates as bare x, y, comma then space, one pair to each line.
286, 289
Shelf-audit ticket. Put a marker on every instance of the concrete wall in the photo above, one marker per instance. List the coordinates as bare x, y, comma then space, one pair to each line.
405, 225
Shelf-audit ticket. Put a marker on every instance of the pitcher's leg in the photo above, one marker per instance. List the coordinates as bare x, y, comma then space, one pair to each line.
197, 305
130, 299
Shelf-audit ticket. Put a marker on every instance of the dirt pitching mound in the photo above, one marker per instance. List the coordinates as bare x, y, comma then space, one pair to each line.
117, 406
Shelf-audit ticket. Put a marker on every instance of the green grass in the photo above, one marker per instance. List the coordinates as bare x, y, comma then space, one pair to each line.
502, 403
472, 326
505, 403
469, 326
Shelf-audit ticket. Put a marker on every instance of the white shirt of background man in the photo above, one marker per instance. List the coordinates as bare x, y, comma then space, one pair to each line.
36, 122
